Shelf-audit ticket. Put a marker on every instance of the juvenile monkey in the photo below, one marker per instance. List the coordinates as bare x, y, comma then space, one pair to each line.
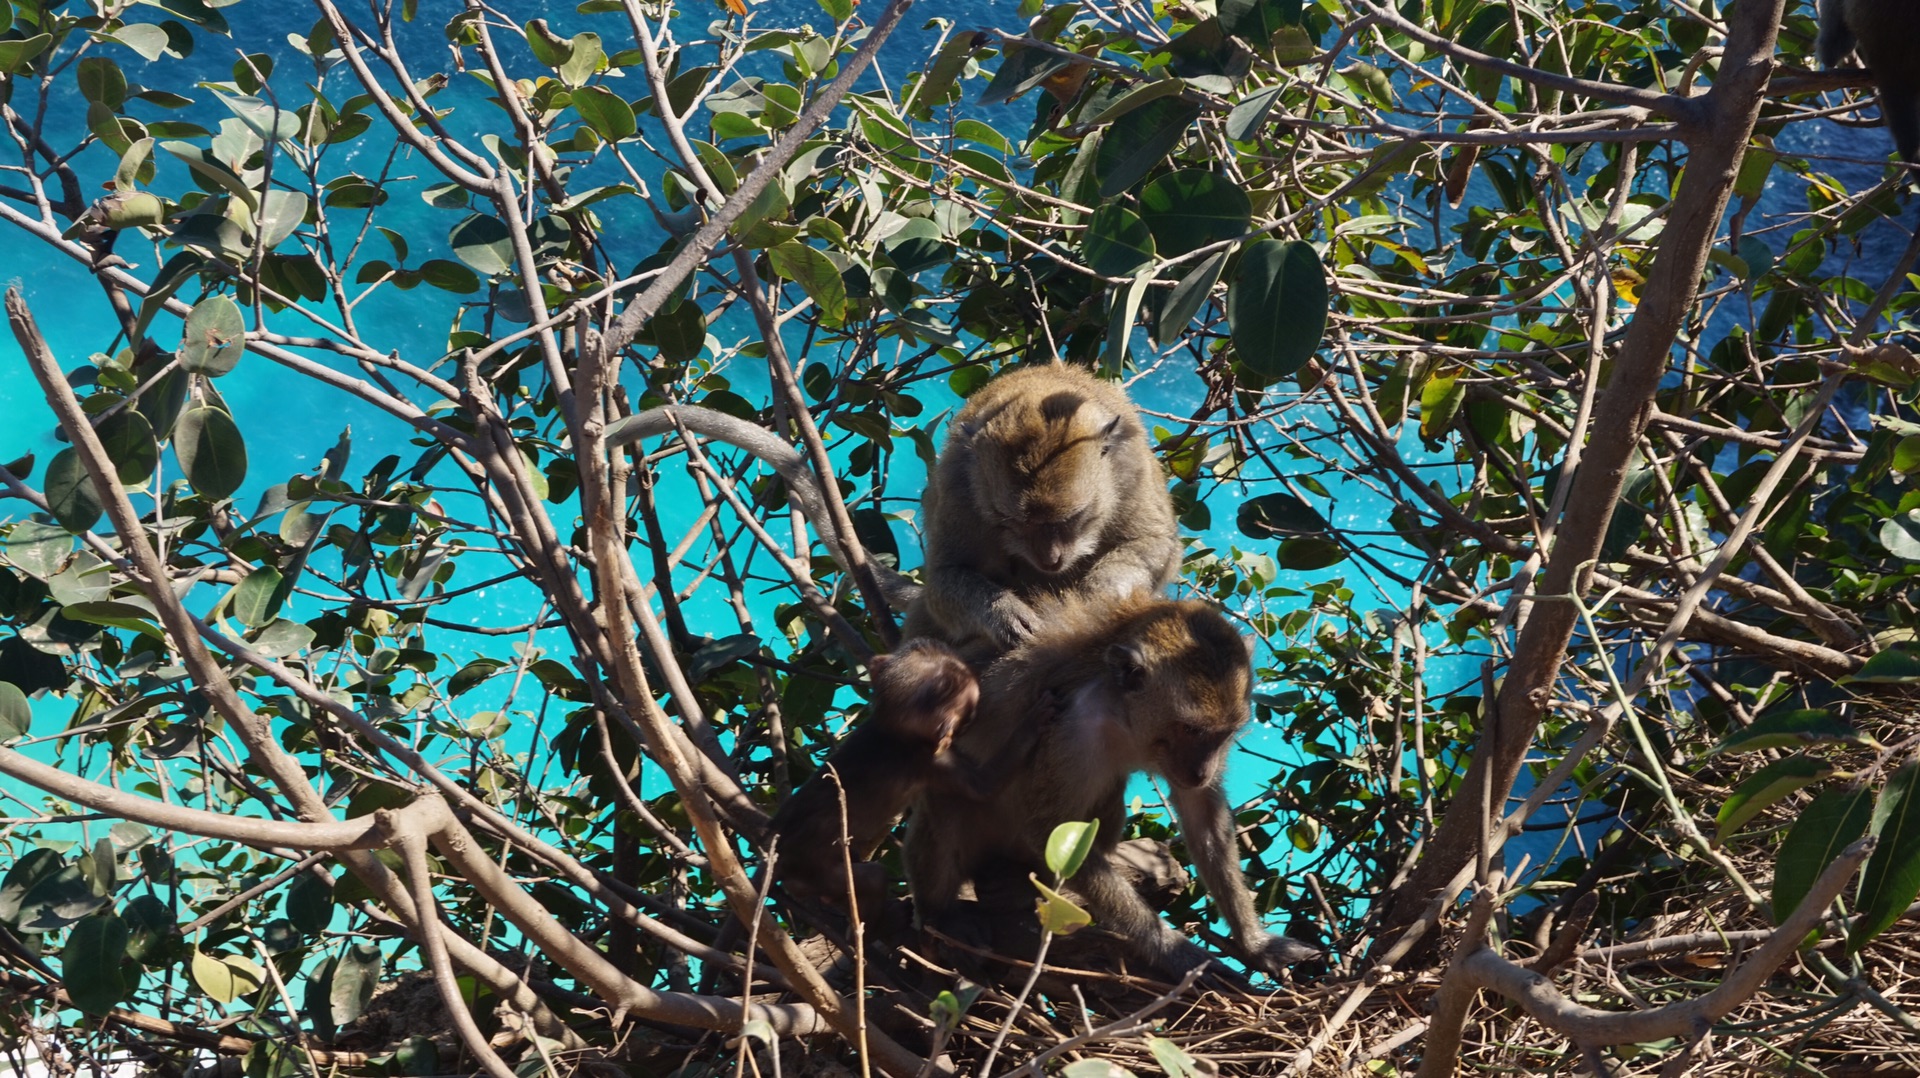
1046, 485
922, 695
1887, 35
1112, 687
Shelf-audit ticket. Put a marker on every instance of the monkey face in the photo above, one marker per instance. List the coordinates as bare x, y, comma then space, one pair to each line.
1045, 483
1185, 676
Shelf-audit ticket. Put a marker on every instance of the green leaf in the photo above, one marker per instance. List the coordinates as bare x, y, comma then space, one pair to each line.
101, 80
90, 963
1765, 787
211, 451
1901, 535
680, 334
214, 977
128, 439
483, 242
354, 979
1189, 296
588, 60
38, 548
16, 715
144, 38
549, 48
1174, 1060
1440, 400
917, 246
1126, 309
1277, 307
606, 112
1152, 90
215, 337
1021, 69
262, 117
1825, 827
58, 900
257, 599
1248, 116
449, 276
310, 903
1141, 139
1304, 553
1894, 666
1058, 914
115, 615
814, 272
1191, 209
1068, 846
281, 212
1791, 729
1280, 513
1117, 241
15, 54
837, 10
1892, 877
70, 494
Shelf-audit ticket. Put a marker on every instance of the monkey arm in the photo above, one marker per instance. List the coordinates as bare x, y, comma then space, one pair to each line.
964, 603
1143, 563
1836, 37
1207, 825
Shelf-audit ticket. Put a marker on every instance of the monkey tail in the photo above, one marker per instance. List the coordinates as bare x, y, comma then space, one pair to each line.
1901, 107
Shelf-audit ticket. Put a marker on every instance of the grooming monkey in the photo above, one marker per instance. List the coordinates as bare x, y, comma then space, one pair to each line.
922, 695
1046, 486
1114, 686
1887, 35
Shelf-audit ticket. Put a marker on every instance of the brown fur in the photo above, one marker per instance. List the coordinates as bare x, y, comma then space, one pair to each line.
1113, 687
1046, 486
1886, 33
922, 695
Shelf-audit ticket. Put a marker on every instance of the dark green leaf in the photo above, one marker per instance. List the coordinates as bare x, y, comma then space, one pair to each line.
16, 715
310, 903
681, 333
211, 451
1277, 307
26, 873
1276, 514
1141, 139
1021, 69
1251, 113
128, 439
1118, 241
59, 900
1189, 296
1825, 827
483, 243
1892, 876
605, 111
1191, 209
1304, 553
90, 963
1765, 787
355, 976
1788, 729
215, 337
16, 53
814, 272
1894, 666
70, 494
257, 599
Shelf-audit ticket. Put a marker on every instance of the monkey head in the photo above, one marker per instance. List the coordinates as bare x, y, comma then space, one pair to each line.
1184, 675
923, 690
1043, 478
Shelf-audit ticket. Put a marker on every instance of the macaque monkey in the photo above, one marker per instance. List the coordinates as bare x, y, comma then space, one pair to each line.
922, 695
1113, 686
1046, 486
1886, 33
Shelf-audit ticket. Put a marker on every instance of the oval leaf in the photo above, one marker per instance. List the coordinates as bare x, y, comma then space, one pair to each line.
1765, 787
605, 111
483, 243
214, 977
90, 963
1305, 553
1827, 826
354, 978
310, 903
215, 336
1271, 515
70, 494
815, 273
1189, 296
1892, 876
1140, 140
211, 451
16, 715
257, 599
1894, 666
128, 439
1068, 846
1277, 307
1118, 241
1192, 208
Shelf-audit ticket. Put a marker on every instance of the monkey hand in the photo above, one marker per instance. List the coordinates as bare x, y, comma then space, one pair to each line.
1270, 953
1010, 621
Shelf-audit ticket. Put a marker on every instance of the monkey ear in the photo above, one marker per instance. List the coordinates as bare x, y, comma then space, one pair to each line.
1109, 435
1252, 645
1129, 666
878, 663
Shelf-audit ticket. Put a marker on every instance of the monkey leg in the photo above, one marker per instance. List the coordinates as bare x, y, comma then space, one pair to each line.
1119, 909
